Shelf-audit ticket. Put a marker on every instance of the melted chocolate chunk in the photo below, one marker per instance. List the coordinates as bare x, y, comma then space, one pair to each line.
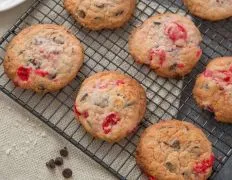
58, 40
52, 76
84, 97
129, 104
171, 167
157, 23
81, 14
41, 87
119, 13
100, 5
173, 67
175, 144
103, 102
35, 63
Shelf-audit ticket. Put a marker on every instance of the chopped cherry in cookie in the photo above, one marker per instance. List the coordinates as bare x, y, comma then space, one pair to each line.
176, 32
110, 120
203, 166
180, 65
119, 82
76, 110
41, 72
151, 178
208, 73
85, 114
199, 53
24, 73
158, 55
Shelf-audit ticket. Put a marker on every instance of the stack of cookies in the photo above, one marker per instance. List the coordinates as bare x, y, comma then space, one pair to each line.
111, 105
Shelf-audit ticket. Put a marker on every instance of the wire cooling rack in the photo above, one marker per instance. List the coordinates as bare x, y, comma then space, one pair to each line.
107, 50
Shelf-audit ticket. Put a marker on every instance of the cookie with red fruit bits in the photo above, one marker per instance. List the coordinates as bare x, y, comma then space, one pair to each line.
174, 150
100, 14
168, 43
213, 89
43, 58
212, 10
110, 105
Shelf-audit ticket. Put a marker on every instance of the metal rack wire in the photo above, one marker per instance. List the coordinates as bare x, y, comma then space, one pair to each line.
107, 50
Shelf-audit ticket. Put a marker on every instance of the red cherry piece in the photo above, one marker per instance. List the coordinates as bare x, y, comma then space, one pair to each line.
151, 178
41, 72
208, 73
111, 120
227, 79
76, 110
230, 69
199, 53
85, 114
201, 167
180, 65
119, 82
158, 53
24, 73
176, 31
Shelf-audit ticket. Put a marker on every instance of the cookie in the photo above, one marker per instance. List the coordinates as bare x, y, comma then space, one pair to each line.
213, 89
212, 10
110, 105
100, 14
43, 58
168, 43
175, 150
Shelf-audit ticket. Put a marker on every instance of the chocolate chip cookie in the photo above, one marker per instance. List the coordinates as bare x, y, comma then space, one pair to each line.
100, 14
110, 105
213, 89
43, 58
210, 9
168, 43
175, 150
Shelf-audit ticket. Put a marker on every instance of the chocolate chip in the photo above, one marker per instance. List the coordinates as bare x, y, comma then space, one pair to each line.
175, 144
41, 87
119, 13
97, 18
64, 152
81, 14
102, 102
100, 5
52, 76
59, 161
170, 166
67, 173
157, 23
84, 97
35, 63
50, 164
129, 104
58, 40
173, 67
196, 150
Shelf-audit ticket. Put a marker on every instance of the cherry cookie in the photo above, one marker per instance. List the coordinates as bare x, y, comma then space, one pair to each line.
210, 9
168, 43
110, 105
43, 58
101, 14
213, 89
174, 150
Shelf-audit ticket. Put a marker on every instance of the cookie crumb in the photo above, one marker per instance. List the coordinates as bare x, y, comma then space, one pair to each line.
67, 173
59, 161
